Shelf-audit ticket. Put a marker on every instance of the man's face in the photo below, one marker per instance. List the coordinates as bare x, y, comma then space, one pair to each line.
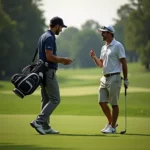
104, 35
58, 29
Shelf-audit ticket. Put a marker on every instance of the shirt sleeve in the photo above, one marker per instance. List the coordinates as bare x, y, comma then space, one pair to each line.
49, 44
121, 51
101, 54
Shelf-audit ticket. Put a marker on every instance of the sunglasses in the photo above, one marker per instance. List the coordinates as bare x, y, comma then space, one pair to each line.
105, 28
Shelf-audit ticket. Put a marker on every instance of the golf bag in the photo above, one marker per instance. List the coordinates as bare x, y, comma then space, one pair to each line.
30, 78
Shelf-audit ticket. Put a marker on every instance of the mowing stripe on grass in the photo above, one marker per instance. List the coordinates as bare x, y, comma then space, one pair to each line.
87, 90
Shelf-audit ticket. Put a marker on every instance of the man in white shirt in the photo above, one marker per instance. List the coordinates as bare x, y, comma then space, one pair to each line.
113, 61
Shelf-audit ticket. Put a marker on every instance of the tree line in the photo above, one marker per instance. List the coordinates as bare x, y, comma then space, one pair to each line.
22, 23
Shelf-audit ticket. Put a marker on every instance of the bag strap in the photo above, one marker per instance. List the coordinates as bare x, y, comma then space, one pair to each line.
35, 54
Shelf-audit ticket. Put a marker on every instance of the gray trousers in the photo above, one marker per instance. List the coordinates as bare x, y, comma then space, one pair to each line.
50, 98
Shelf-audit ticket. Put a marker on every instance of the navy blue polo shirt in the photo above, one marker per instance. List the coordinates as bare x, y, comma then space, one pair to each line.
47, 41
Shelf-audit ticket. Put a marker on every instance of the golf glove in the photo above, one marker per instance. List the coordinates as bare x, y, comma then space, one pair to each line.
126, 83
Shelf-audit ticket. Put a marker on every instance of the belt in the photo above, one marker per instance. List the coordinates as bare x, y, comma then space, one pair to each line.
111, 74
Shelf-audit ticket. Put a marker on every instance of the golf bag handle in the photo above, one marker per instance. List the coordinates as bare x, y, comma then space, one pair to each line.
35, 54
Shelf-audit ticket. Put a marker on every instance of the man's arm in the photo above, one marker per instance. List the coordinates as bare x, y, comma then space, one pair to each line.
49, 53
98, 62
52, 58
124, 68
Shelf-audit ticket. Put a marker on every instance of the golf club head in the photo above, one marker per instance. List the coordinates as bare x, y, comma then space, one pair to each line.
123, 132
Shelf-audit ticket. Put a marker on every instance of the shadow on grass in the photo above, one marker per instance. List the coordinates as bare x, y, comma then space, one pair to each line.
9, 146
134, 134
105, 135
90, 135
137, 134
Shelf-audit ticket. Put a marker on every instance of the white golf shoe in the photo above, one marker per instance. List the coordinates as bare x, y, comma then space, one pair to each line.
108, 126
109, 130
51, 131
37, 127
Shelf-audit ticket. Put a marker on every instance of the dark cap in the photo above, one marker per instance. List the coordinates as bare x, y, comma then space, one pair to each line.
57, 21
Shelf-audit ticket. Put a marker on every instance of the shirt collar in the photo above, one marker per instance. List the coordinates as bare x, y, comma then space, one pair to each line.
52, 34
112, 42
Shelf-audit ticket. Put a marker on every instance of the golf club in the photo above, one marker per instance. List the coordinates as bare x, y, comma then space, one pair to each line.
125, 114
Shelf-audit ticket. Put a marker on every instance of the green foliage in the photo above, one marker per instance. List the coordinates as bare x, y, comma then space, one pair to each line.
10, 43
124, 11
90, 39
120, 25
77, 45
65, 44
23, 22
123, 14
91, 24
137, 31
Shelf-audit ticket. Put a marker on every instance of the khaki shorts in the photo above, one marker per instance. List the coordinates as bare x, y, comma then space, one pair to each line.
109, 90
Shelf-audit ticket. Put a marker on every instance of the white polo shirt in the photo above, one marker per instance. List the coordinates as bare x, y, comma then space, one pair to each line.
111, 55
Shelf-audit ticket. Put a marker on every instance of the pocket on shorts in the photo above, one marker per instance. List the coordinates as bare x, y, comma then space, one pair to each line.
118, 81
103, 82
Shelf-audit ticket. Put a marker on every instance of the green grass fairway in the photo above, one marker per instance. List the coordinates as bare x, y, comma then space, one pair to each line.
137, 105
76, 132
78, 117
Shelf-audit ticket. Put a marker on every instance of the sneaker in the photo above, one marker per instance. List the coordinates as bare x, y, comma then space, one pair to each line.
51, 131
37, 127
107, 126
109, 130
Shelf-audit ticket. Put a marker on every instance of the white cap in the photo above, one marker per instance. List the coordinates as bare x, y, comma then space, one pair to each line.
108, 28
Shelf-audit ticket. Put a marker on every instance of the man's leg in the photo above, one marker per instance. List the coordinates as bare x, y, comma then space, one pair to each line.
52, 89
114, 91
44, 101
103, 100
115, 113
106, 111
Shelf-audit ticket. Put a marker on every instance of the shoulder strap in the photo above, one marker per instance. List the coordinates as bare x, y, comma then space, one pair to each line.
35, 54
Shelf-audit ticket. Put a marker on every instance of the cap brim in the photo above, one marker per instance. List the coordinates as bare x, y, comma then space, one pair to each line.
64, 26
103, 30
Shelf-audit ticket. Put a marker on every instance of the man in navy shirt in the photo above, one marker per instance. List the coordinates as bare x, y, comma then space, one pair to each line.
50, 90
